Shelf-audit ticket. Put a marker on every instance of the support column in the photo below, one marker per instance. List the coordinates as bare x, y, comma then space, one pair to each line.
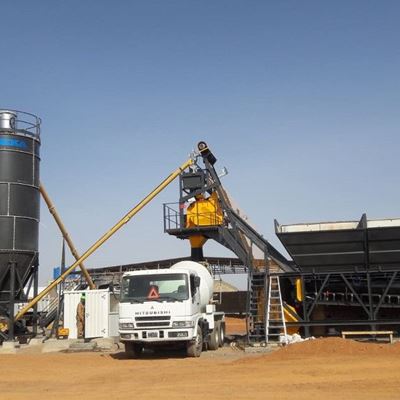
371, 306
266, 305
35, 293
305, 313
12, 267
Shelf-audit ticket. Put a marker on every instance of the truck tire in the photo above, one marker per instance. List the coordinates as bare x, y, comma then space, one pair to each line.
221, 333
195, 346
213, 342
133, 350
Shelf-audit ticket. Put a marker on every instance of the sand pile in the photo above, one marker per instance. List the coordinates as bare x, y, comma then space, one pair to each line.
326, 347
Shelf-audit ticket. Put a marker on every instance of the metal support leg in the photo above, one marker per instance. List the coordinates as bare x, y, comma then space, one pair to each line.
305, 314
371, 305
12, 302
35, 293
266, 303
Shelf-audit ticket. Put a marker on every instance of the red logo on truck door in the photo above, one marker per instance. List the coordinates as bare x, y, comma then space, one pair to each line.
153, 293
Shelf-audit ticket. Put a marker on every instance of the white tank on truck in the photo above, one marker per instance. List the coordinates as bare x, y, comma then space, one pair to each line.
206, 287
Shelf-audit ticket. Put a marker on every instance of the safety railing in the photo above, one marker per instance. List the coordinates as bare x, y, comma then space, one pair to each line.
20, 121
172, 217
177, 216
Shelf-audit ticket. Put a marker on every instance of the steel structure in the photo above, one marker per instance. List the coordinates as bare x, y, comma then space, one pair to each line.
219, 265
111, 275
205, 212
353, 266
349, 273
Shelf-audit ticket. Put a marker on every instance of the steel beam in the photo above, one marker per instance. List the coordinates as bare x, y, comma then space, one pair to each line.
348, 284
343, 323
385, 293
313, 304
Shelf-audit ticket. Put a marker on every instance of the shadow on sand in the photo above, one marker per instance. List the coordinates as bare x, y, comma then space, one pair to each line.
158, 354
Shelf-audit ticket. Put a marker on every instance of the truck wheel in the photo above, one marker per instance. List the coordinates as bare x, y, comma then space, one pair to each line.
213, 342
221, 333
133, 350
194, 347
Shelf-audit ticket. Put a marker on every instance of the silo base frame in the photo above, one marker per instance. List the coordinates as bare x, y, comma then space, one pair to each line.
19, 288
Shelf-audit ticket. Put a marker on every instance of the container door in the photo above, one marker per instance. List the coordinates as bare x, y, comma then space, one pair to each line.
97, 308
71, 300
113, 321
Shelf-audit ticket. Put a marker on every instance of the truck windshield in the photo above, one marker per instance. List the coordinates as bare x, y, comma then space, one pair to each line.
155, 287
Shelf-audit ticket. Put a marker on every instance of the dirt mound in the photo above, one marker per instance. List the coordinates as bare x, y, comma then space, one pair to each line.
335, 345
326, 347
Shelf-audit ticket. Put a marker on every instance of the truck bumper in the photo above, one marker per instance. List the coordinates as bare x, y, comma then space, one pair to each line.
157, 335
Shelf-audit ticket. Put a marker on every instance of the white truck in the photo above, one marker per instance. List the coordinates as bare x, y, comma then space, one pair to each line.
166, 307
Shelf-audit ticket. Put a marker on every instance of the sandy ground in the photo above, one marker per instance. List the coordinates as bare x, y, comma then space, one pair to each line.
321, 369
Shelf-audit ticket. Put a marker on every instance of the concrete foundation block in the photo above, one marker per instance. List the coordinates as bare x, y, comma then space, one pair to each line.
35, 341
82, 346
259, 349
54, 345
9, 348
106, 344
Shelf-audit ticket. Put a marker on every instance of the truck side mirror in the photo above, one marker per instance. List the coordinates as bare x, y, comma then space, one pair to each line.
196, 281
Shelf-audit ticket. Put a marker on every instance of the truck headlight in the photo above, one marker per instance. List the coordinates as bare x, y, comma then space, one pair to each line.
126, 325
182, 324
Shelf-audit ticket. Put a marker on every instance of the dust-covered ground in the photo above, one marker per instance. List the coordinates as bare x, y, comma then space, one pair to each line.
326, 369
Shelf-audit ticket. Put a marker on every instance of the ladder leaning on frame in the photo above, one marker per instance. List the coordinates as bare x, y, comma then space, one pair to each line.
275, 318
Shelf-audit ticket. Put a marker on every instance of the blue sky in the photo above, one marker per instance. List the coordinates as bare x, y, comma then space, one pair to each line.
299, 100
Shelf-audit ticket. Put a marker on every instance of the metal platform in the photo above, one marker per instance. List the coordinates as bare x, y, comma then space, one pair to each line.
364, 245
